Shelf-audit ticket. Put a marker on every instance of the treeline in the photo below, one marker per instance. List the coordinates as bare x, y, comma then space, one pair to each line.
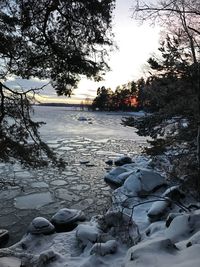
172, 92
125, 97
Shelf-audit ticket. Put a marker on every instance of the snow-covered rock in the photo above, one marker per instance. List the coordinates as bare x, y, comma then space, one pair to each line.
87, 233
150, 253
195, 239
118, 175
171, 216
183, 226
143, 182
155, 229
174, 193
123, 160
102, 249
40, 225
163, 253
82, 118
158, 209
66, 219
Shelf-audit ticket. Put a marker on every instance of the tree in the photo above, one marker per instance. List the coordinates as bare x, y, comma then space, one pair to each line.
140, 95
103, 99
55, 39
184, 15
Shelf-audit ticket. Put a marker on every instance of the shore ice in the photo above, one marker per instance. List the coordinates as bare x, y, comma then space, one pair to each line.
176, 245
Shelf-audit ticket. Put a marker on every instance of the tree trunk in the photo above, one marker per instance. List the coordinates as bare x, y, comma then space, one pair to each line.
2, 112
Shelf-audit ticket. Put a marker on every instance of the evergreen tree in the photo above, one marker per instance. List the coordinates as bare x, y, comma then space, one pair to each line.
58, 40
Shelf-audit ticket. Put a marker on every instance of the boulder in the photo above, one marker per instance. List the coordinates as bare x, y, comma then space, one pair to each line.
174, 193
183, 227
195, 239
82, 118
109, 162
87, 233
123, 160
154, 252
170, 218
143, 182
118, 175
155, 229
102, 249
66, 219
40, 225
158, 209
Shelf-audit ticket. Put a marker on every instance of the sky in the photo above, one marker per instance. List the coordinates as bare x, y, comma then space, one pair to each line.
135, 45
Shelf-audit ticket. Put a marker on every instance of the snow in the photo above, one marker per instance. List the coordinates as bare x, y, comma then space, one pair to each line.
195, 239
183, 226
163, 253
102, 249
124, 236
10, 262
67, 216
87, 233
158, 208
142, 181
40, 225
118, 175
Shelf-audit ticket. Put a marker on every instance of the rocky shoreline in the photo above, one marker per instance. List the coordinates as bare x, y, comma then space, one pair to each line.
42, 192
148, 216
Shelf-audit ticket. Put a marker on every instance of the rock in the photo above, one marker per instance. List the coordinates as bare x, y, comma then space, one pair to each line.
66, 219
10, 262
151, 253
109, 162
40, 225
183, 226
170, 218
123, 160
84, 161
121, 226
102, 249
4, 236
82, 118
118, 175
87, 233
90, 165
155, 229
174, 193
143, 182
195, 239
46, 257
158, 209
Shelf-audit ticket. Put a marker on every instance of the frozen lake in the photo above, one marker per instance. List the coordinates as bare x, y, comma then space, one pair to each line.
85, 140
63, 123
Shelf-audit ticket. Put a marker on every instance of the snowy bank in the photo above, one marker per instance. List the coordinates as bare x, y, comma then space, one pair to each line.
149, 224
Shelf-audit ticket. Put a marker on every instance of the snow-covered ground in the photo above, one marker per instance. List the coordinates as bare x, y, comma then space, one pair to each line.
148, 224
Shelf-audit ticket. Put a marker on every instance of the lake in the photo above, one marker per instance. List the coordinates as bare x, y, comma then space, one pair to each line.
85, 140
